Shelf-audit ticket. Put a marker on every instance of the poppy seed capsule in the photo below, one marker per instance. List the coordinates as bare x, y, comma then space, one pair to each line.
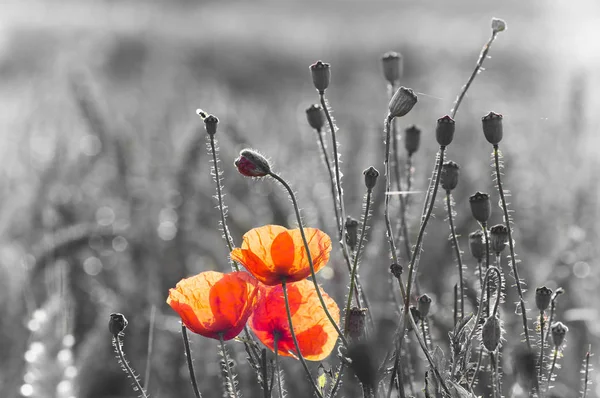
424, 304
543, 295
498, 25
392, 66
210, 124
477, 245
444, 131
356, 322
396, 270
252, 164
498, 238
492, 127
351, 232
321, 75
559, 331
491, 333
371, 175
481, 207
402, 102
412, 139
449, 177
117, 323
315, 116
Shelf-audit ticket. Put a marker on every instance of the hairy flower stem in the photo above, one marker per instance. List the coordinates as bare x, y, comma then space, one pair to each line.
188, 355
461, 288
404, 204
541, 359
586, 372
309, 256
424, 331
487, 264
293, 333
336, 210
230, 383
388, 224
150, 346
363, 232
119, 347
554, 357
513, 260
265, 378
338, 380
279, 386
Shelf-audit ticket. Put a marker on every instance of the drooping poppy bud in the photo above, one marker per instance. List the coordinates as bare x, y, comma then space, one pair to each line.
449, 177
315, 116
498, 25
351, 232
444, 131
117, 323
491, 333
371, 175
392, 66
321, 75
402, 102
559, 331
481, 207
412, 139
477, 245
424, 304
210, 124
498, 238
492, 127
252, 164
543, 295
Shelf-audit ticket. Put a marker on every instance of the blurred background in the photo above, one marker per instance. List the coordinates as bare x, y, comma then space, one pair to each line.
106, 188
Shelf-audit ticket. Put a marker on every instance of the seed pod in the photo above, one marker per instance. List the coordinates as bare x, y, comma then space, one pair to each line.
117, 323
492, 127
392, 66
543, 295
402, 102
498, 238
444, 131
491, 333
498, 25
321, 75
351, 232
315, 116
559, 331
252, 164
396, 270
210, 124
424, 304
371, 175
449, 177
412, 139
356, 323
481, 207
477, 245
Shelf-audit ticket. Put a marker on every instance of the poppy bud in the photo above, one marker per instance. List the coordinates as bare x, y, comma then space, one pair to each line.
412, 139
477, 245
424, 304
252, 164
498, 238
396, 270
392, 66
492, 127
315, 116
559, 331
321, 75
491, 333
356, 322
210, 124
402, 102
117, 323
498, 25
481, 207
449, 177
371, 175
351, 232
444, 131
543, 295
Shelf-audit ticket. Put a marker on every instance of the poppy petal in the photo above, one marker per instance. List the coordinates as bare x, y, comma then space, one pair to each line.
256, 266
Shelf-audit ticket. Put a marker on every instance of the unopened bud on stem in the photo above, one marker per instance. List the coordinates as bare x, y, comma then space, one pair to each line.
449, 177
477, 245
392, 66
351, 232
492, 127
117, 323
559, 331
402, 102
371, 175
252, 164
491, 333
321, 75
481, 207
315, 116
444, 131
424, 304
543, 295
498, 238
412, 139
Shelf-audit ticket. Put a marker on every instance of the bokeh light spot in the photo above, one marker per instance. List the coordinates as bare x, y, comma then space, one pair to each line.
105, 216
26, 390
167, 230
92, 266
581, 269
119, 244
90, 145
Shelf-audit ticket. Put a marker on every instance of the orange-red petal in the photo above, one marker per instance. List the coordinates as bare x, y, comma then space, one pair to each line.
315, 334
213, 304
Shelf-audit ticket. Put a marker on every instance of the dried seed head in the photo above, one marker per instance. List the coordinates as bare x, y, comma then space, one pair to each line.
559, 331
210, 124
481, 207
491, 333
117, 323
321, 75
392, 66
371, 175
412, 139
356, 323
498, 238
252, 164
315, 116
396, 270
543, 295
498, 25
402, 102
424, 304
351, 232
477, 245
444, 131
449, 177
492, 127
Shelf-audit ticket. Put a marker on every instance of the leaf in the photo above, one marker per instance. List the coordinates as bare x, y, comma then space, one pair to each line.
322, 379
459, 392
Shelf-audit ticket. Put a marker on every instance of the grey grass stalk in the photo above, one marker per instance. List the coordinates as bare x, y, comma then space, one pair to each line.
552, 367
461, 294
542, 347
150, 346
230, 382
190, 363
118, 344
336, 209
586, 372
277, 369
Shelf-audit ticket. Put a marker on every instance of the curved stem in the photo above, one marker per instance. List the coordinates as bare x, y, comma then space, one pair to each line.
231, 382
277, 370
118, 345
386, 163
331, 183
513, 260
188, 355
458, 255
309, 256
293, 333
477, 368
554, 356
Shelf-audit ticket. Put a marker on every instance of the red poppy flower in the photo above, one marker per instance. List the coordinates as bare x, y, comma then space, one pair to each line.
273, 252
315, 334
213, 304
